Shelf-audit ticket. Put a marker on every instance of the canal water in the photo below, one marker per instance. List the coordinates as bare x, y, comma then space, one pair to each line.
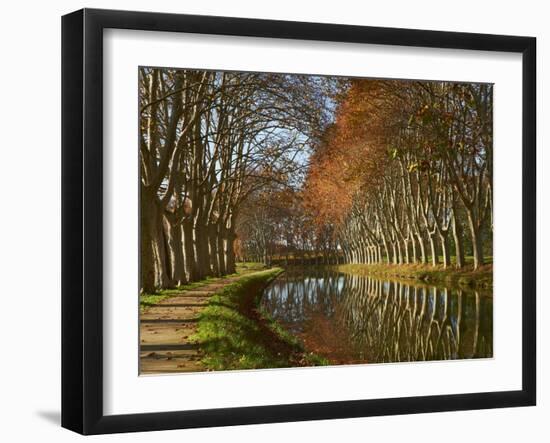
360, 319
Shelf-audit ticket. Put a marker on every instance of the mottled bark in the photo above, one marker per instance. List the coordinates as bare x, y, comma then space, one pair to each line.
179, 275
458, 241
213, 249
221, 250
476, 235
433, 246
444, 240
191, 268
152, 245
422, 244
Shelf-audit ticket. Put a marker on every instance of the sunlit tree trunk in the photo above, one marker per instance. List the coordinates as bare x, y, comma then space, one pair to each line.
414, 256
229, 245
178, 256
444, 240
213, 249
422, 244
458, 241
476, 235
221, 249
433, 247
191, 268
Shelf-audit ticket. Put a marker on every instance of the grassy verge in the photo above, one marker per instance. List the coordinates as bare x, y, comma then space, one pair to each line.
234, 333
148, 300
466, 277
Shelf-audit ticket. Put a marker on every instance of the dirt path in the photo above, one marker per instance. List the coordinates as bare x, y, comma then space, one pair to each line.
165, 329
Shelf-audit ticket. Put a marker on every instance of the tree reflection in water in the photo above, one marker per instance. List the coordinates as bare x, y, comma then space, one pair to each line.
383, 320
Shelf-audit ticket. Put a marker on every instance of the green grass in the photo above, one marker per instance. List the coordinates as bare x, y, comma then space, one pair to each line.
249, 266
148, 300
234, 333
466, 277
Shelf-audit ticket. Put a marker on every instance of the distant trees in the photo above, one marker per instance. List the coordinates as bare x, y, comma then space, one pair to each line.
275, 225
405, 173
208, 141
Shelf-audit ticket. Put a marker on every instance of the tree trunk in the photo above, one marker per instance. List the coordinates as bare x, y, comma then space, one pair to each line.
414, 256
230, 253
201, 249
475, 232
148, 248
406, 258
221, 250
169, 255
433, 246
423, 255
178, 276
459, 245
164, 270
388, 254
189, 250
213, 249
444, 237
399, 251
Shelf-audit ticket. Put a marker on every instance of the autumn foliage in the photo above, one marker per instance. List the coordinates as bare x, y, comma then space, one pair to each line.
403, 165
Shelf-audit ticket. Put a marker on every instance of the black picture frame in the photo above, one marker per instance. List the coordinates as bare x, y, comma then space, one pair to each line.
82, 218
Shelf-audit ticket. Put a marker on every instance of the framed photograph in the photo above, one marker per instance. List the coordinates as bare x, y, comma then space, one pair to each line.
269, 221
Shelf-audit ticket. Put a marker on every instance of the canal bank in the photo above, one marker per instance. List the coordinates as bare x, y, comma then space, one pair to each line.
233, 332
466, 277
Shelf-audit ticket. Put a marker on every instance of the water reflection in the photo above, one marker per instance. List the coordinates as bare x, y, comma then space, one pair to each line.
351, 318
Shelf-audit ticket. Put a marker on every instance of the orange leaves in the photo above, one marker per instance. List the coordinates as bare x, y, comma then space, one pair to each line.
352, 154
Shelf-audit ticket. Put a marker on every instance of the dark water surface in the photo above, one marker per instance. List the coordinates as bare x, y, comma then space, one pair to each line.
358, 319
